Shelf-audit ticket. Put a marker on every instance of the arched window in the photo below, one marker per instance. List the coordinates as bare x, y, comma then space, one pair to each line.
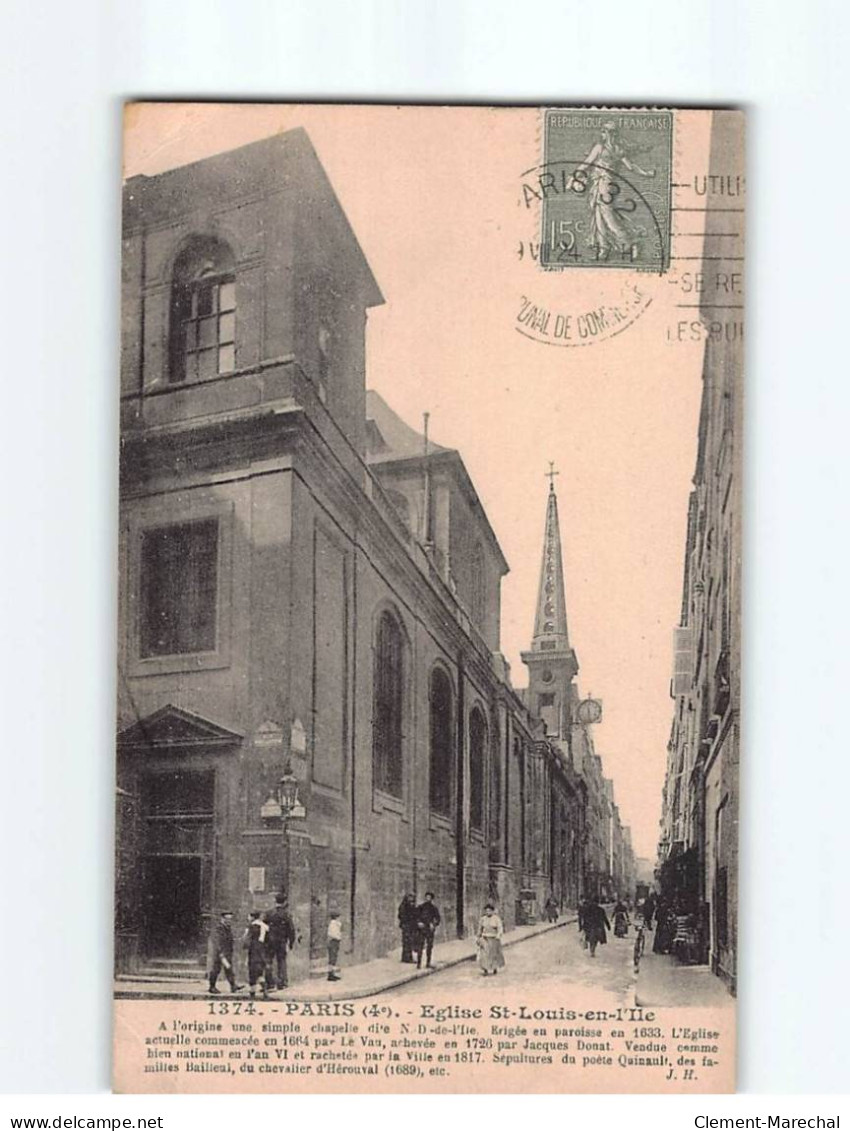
441, 736
388, 707
477, 747
203, 312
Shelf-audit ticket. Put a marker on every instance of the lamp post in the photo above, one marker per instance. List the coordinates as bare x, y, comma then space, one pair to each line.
282, 804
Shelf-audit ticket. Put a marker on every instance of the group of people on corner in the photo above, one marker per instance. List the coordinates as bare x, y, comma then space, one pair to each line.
267, 938
675, 930
270, 935
418, 924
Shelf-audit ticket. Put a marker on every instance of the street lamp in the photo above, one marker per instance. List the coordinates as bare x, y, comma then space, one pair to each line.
281, 804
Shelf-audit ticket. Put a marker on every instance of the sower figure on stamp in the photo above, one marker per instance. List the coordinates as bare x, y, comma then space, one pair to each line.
427, 921
407, 918
610, 226
220, 953
281, 937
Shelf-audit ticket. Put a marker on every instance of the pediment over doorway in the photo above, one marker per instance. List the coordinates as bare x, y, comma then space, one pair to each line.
171, 728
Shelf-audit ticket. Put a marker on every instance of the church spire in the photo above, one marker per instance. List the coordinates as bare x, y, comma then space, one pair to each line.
551, 662
550, 621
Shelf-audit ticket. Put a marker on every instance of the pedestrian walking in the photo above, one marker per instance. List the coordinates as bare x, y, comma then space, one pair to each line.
551, 909
334, 940
582, 908
665, 928
427, 921
621, 920
491, 957
648, 910
594, 923
281, 938
407, 919
254, 941
220, 953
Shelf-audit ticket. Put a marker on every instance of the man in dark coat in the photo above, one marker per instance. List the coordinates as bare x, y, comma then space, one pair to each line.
220, 952
648, 910
407, 920
281, 937
427, 921
594, 923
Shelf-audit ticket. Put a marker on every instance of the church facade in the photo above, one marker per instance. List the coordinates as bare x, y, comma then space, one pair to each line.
310, 597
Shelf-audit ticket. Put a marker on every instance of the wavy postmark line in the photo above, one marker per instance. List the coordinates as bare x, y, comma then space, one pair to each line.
617, 177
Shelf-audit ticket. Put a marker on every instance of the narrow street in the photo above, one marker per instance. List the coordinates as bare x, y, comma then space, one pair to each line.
547, 963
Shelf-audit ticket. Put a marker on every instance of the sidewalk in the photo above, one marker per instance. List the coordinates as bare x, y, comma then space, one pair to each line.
662, 981
363, 980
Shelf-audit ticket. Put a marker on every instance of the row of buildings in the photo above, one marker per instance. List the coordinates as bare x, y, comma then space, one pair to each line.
312, 697
698, 850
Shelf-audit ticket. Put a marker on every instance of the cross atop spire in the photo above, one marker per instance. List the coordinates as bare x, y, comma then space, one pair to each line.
550, 475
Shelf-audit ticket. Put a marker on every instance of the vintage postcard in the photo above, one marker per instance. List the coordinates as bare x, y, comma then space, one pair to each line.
429, 640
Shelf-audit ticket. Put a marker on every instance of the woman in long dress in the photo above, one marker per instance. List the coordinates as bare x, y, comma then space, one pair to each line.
599, 175
621, 920
491, 959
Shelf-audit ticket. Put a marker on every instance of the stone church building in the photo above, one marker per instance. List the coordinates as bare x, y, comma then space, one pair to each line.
310, 590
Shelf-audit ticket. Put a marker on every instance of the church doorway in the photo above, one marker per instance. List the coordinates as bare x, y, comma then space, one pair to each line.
178, 855
173, 903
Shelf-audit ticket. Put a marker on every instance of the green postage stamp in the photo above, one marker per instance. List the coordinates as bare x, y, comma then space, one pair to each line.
604, 189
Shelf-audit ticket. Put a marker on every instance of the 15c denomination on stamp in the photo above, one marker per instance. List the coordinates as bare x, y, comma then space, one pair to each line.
604, 189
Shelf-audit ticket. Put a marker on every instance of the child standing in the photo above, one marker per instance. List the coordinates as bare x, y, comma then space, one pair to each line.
334, 939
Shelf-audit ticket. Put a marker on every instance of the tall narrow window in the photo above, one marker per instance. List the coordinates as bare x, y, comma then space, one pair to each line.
477, 746
324, 362
496, 798
203, 312
388, 707
178, 588
478, 587
442, 732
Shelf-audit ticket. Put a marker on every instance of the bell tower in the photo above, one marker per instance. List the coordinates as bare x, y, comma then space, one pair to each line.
551, 662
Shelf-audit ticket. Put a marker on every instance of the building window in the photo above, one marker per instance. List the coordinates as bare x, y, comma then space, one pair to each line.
203, 312
388, 707
496, 800
400, 505
478, 587
178, 588
324, 362
442, 730
477, 744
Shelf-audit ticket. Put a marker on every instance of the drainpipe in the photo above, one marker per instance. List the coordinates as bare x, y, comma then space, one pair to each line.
460, 844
